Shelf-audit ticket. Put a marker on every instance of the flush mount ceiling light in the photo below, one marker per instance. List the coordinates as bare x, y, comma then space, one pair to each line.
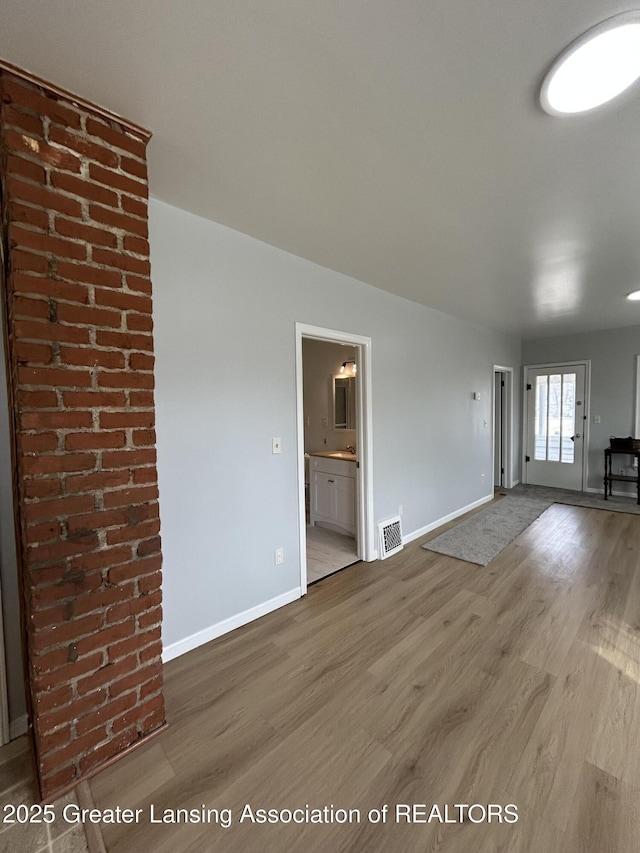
595, 68
634, 296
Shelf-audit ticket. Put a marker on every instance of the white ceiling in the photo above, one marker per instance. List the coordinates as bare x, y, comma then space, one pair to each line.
397, 141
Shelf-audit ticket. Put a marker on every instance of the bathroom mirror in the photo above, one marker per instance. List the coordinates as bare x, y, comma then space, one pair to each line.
344, 402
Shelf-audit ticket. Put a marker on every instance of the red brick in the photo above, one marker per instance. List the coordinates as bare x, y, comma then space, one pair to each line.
125, 379
88, 316
143, 437
149, 583
101, 480
50, 332
61, 463
78, 746
137, 245
51, 287
129, 458
23, 306
91, 357
93, 399
134, 206
33, 353
45, 153
145, 475
16, 117
101, 559
42, 488
111, 178
78, 231
117, 137
37, 399
59, 550
60, 781
106, 674
94, 440
127, 263
139, 323
29, 216
44, 532
39, 242
83, 189
123, 300
96, 520
20, 167
132, 534
49, 617
48, 700
53, 376
148, 547
141, 361
69, 631
60, 507
39, 442
137, 168
81, 145
117, 219
25, 98
126, 419
141, 399
136, 495
135, 569
89, 274
23, 261
133, 644
55, 670
47, 199
101, 598
124, 340
56, 420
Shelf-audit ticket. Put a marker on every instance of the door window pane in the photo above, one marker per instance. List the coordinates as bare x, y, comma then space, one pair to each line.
541, 418
568, 422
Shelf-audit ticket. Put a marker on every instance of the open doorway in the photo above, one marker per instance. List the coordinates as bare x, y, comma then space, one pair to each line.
502, 427
334, 451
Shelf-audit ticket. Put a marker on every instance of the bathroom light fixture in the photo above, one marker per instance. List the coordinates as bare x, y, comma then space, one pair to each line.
595, 68
344, 367
634, 296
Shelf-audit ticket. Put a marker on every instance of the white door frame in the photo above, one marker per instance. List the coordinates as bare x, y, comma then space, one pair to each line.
507, 420
586, 363
364, 418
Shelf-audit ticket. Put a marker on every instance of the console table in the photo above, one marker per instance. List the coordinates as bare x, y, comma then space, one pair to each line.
610, 478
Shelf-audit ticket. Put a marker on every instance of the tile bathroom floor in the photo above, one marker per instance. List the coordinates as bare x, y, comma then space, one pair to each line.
16, 787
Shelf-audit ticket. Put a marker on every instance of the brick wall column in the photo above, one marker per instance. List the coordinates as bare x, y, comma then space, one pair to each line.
77, 307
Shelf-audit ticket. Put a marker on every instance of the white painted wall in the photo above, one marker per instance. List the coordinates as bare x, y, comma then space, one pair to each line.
225, 308
613, 385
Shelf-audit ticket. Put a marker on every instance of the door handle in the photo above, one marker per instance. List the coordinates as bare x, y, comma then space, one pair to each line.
573, 437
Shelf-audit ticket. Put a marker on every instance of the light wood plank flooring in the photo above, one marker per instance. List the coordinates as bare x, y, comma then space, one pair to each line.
416, 680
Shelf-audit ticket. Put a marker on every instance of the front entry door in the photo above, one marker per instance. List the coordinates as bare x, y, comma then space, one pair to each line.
555, 425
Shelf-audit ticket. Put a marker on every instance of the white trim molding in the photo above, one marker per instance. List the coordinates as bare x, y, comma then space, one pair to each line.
364, 441
445, 518
214, 631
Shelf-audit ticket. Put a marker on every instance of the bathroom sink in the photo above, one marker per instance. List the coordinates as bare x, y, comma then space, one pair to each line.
336, 454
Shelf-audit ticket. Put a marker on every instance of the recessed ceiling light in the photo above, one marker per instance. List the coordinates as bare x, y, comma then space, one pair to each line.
595, 68
634, 295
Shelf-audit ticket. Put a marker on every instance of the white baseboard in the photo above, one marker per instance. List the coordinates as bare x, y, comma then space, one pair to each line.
18, 727
514, 484
237, 621
452, 515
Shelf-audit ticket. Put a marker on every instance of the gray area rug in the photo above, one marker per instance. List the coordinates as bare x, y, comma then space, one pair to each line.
481, 537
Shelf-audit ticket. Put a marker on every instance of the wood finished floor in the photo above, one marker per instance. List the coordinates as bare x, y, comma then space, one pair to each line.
421, 679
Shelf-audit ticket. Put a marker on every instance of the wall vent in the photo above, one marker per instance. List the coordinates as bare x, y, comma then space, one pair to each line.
390, 532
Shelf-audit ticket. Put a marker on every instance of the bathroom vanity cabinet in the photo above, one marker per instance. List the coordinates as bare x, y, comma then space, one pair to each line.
333, 493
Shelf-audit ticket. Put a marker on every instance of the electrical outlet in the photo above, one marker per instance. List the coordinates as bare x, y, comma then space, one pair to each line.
279, 556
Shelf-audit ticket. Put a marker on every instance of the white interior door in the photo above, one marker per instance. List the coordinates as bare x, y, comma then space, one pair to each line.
556, 411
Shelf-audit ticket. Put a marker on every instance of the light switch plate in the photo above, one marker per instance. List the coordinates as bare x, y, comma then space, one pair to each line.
276, 446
